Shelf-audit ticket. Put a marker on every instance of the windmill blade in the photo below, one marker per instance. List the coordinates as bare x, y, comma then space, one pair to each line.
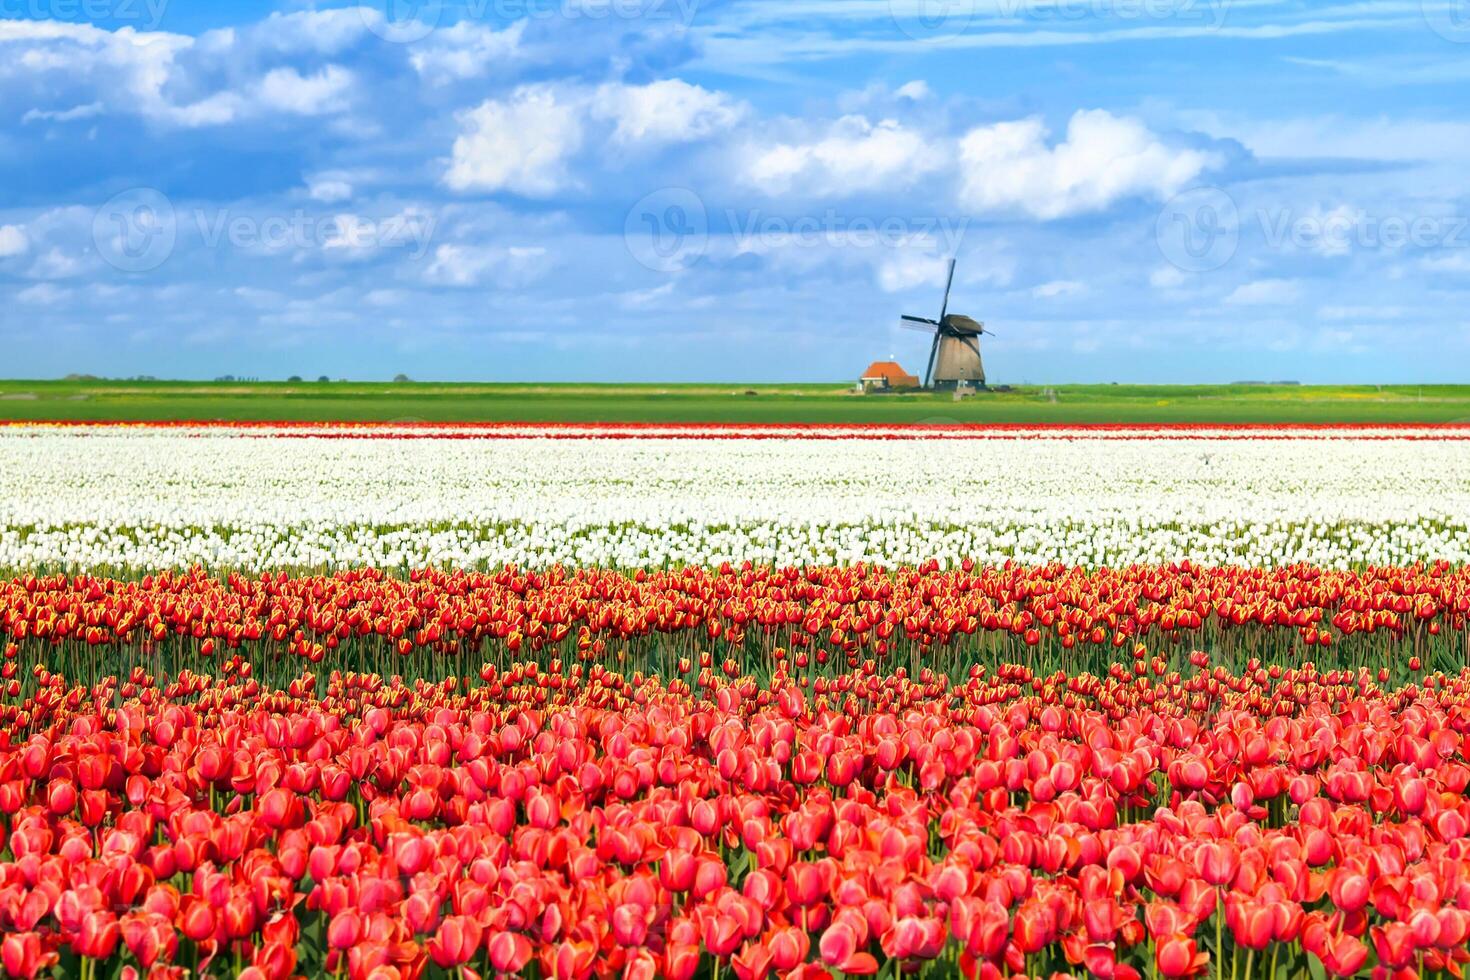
933, 352
918, 323
947, 284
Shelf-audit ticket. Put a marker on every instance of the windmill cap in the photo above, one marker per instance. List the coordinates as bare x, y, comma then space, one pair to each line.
963, 324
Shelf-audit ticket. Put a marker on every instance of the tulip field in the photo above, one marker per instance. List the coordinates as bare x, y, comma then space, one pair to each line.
734, 702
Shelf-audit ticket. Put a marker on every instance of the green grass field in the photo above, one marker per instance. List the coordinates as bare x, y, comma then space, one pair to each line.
445, 402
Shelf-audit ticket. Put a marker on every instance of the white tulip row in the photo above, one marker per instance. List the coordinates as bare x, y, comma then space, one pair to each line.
110, 498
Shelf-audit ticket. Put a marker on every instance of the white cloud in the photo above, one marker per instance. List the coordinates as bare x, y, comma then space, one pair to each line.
520, 145
1396, 138
129, 70
639, 298
326, 32
328, 189
351, 237
475, 265
177, 80
42, 294
350, 233
1329, 232
264, 298
1058, 288
63, 115
915, 91
386, 297
1362, 312
286, 90
54, 264
1166, 277
1451, 262
13, 241
1264, 292
668, 111
1008, 166
909, 269
465, 50
855, 155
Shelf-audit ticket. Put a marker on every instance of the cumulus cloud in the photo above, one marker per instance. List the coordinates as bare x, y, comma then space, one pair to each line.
465, 50
520, 144
177, 80
287, 90
13, 241
324, 32
1451, 262
1166, 277
328, 188
43, 294
855, 155
911, 268
1058, 288
1009, 166
478, 265
915, 91
908, 269
63, 115
54, 264
668, 111
1264, 292
127, 68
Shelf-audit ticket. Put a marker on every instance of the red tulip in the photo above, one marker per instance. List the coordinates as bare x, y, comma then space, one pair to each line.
1176, 956
456, 941
21, 952
509, 951
840, 949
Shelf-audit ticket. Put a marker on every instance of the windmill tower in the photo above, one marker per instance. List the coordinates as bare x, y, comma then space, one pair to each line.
954, 356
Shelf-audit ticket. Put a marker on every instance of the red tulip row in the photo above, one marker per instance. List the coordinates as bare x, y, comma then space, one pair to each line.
577, 822
819, 619
711, 431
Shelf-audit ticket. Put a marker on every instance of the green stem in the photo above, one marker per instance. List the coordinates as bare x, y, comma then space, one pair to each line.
1219, 949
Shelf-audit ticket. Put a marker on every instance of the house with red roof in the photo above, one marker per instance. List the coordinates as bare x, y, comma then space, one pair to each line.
887, 376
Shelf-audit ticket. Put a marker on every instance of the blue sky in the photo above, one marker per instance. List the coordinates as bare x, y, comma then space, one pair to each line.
683, 190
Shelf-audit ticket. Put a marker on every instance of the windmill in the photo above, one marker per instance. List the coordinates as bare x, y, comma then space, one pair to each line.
954, 357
